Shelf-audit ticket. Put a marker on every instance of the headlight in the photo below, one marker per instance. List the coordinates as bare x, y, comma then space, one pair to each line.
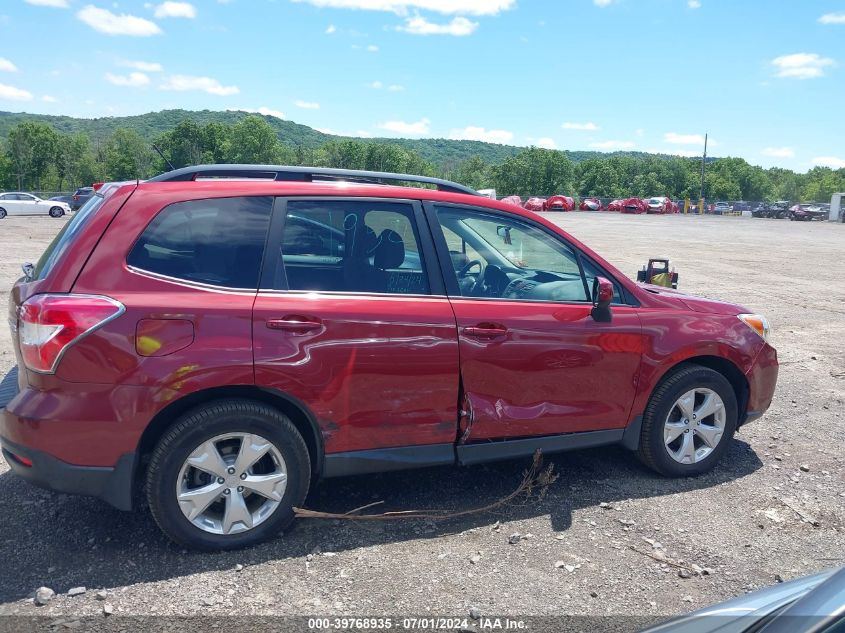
758, 323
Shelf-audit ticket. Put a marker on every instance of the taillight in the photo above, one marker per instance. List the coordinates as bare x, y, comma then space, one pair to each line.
50, 324
97, 186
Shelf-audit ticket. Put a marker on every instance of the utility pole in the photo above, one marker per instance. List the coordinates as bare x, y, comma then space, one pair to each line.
703, 161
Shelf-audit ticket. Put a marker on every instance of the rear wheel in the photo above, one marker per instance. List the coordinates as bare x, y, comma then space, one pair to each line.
689, 422
56, 212
228, 475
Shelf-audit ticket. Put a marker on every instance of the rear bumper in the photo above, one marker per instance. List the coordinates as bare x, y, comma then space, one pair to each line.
113, 485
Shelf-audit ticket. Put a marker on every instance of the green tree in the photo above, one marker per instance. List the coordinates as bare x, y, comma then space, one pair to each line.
32, 150
128, 156
75, 164
253, 141
535, 172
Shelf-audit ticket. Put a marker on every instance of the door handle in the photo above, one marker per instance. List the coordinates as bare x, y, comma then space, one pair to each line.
295, 323
485, 331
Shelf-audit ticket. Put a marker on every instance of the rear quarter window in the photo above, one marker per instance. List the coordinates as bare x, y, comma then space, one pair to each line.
218, 241
66, 236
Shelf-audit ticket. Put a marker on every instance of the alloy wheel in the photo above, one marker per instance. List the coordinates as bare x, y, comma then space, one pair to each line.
231, 483
695, 425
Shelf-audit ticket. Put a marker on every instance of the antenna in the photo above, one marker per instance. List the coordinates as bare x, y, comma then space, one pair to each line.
160, 153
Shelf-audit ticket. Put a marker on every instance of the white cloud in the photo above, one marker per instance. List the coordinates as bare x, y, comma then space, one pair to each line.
307, 105
458, 27
265, 111
132, 80
58, 4
147, 67
372, 48
801, 65
417, 128
546, 142
778, 152
694, 4
395, 88
602, 3
832, 18
6, 66
10, 93
473, 133
612, 145
331, 28
685, 139
49, 99
375, 85
175, 10
588, 127
466, 7
105, 21
829, 161
182, 83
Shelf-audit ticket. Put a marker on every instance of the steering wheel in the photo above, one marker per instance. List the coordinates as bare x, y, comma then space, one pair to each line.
490, 277
468, 266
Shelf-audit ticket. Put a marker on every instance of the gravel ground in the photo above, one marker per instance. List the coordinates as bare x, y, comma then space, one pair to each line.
600, 542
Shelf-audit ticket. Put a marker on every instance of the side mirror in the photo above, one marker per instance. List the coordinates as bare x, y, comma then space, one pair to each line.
602, 298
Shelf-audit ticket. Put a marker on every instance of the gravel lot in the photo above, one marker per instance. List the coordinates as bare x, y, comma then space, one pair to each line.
774, 509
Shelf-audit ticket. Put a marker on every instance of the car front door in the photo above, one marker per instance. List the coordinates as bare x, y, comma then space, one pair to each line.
352, 320
27, 204
533, 359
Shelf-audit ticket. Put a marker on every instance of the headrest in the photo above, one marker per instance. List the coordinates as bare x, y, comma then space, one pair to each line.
390, 250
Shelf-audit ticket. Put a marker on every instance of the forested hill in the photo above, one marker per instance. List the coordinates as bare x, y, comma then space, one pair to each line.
444, 153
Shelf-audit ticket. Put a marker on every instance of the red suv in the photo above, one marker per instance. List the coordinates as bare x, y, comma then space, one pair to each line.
225, 335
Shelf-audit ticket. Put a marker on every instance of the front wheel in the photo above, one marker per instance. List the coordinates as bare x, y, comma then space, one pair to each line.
688, 423
56, 212
2, 213
228, 475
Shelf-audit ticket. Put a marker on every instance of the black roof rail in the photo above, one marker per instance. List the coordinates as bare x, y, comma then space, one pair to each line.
304, 174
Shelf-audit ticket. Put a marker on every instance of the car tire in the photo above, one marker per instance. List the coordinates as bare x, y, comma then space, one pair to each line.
220, 425
56, 212
2, 213
696, 446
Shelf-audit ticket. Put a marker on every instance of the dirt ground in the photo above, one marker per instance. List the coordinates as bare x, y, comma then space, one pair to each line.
774, 509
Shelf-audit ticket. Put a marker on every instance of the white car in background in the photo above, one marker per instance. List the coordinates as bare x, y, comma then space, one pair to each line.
19, 203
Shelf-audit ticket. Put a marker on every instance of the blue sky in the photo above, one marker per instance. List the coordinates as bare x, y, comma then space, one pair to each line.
765, 78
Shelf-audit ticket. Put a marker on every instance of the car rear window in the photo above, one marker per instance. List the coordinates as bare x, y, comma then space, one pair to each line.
66, 236
217, 241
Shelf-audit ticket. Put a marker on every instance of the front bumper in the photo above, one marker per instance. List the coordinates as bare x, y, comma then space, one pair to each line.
762, 380
113, 485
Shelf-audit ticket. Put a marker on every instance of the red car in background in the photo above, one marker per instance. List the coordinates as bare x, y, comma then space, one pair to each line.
591, 204
662, 205
634, 205
535, 204
560, 203
515, 200
615, 205
216, 342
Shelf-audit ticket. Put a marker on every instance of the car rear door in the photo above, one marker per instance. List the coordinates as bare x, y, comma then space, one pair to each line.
533, 366
10, 202
351, 319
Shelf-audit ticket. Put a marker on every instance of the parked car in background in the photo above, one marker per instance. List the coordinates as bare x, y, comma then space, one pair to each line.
720, 207
779, 210
661, 204
514, 200
808, 212
535, 204
560, 203
591, 204
19, 203
615, 205
742, 205
217, 343
66, 199
82, 195
634, 205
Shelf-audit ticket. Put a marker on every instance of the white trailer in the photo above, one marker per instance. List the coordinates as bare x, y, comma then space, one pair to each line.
835, 206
